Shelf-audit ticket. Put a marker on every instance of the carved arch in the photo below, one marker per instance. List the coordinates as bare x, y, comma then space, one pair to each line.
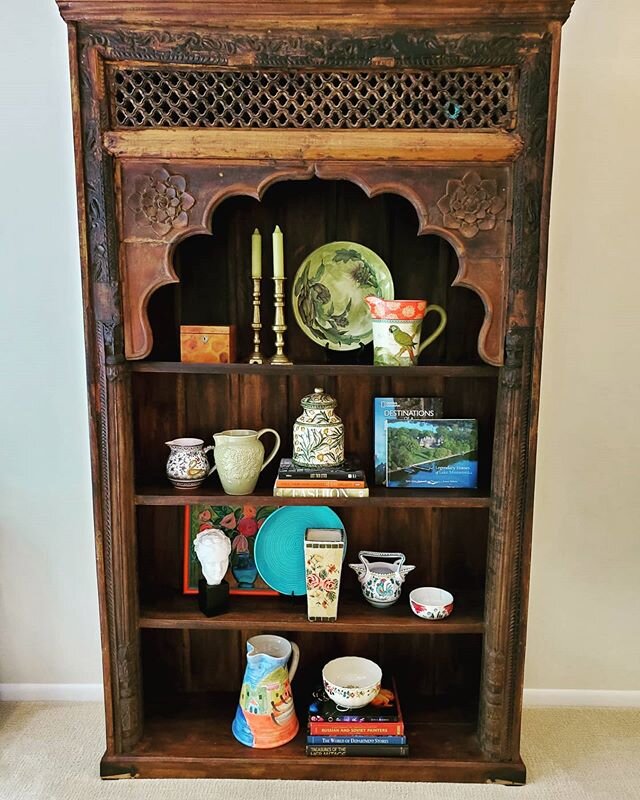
151, 233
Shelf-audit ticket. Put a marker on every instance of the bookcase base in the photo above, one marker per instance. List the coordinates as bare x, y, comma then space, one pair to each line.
307, 768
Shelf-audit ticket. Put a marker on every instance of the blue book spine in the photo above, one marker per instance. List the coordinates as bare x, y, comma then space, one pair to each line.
342, 740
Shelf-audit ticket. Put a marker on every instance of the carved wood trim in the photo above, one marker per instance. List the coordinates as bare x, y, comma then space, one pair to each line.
503, 645
482, 262
513, 469
487, 277
345, 15
147, 262
259, 145
111, 422
321, 47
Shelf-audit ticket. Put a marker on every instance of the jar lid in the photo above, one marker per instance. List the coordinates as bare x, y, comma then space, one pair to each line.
319, 399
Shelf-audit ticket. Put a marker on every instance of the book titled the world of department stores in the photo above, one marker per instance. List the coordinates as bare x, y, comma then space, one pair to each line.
386, 409
432, 454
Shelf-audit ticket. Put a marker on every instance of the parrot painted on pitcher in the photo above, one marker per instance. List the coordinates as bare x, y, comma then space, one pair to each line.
404, 340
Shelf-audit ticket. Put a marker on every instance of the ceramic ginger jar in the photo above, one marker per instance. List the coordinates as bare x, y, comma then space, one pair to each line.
318, 434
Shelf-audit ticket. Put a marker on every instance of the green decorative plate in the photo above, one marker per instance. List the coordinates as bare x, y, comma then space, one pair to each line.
329, 291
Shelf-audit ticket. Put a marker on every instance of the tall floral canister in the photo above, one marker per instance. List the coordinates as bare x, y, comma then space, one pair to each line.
318, 434
323, 555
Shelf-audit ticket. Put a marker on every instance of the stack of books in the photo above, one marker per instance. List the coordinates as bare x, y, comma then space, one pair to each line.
348, 480
375, 730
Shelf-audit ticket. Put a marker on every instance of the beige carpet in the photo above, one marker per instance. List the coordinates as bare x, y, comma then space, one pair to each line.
51, 751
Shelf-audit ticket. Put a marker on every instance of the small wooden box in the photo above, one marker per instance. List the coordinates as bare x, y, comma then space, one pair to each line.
208, 344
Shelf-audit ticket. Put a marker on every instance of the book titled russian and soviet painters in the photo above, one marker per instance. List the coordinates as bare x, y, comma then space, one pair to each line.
415, 448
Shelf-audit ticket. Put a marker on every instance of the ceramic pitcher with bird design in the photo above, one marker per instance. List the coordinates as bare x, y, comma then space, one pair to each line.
397, 327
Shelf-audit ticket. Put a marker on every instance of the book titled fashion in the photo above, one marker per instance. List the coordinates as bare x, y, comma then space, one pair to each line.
279, 491
432, 454
386, 409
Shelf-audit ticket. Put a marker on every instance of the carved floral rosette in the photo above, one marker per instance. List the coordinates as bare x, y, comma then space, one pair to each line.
160, 200
471, 204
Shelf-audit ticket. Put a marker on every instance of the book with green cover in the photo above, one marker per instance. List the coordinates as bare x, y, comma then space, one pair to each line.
434, 454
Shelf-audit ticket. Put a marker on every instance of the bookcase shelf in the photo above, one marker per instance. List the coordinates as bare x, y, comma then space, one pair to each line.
285, 614
420, 371
166, 495
193, 733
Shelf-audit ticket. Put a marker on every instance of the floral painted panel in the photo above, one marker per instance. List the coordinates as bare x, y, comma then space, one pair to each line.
240, 524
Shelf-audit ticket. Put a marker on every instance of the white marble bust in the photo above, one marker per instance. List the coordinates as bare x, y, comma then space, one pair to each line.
213, 548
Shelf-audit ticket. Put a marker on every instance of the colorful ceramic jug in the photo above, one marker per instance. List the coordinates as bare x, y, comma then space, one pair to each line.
318, 434
266, 716
380, 581
239, 456
188, 464
397, 325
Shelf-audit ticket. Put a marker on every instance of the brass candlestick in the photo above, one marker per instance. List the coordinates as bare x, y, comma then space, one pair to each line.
256, 357
279, 326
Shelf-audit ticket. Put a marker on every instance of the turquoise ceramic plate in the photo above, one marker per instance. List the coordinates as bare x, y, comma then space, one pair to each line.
279, 545
329, 291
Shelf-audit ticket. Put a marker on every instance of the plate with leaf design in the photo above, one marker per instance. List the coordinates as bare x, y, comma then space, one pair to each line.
329, 290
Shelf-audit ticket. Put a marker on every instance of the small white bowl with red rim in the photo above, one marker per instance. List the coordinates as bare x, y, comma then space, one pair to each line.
429, 602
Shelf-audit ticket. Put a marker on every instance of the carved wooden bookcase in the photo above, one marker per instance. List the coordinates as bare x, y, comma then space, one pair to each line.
423, 130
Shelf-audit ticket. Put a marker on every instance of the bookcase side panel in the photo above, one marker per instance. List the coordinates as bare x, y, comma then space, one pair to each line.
508, 552
110, 408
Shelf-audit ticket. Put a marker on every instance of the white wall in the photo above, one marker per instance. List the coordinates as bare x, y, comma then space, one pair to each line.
48, 600
585, 599
584, 628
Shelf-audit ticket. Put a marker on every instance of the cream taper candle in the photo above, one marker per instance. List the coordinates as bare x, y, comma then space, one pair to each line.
278, 253
256, 254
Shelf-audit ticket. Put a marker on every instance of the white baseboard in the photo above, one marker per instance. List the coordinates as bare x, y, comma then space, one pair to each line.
51, 691
586, 698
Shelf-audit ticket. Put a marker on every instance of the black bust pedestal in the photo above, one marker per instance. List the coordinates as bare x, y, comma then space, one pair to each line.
213, 600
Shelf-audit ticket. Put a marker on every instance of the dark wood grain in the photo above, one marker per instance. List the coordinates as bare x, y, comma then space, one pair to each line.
282, 614
388, 190
390, 210
191, 735
335, 13
477, 147
168, 404
427, 371
160, 495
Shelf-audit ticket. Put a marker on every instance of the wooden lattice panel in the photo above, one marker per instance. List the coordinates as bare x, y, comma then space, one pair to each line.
454, 99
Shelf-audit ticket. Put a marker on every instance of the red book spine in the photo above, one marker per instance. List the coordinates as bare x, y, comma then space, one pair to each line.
356, 728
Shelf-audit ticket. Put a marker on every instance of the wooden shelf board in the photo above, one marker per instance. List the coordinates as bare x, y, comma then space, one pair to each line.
440, 371
166, 495
285, 614
193, 737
